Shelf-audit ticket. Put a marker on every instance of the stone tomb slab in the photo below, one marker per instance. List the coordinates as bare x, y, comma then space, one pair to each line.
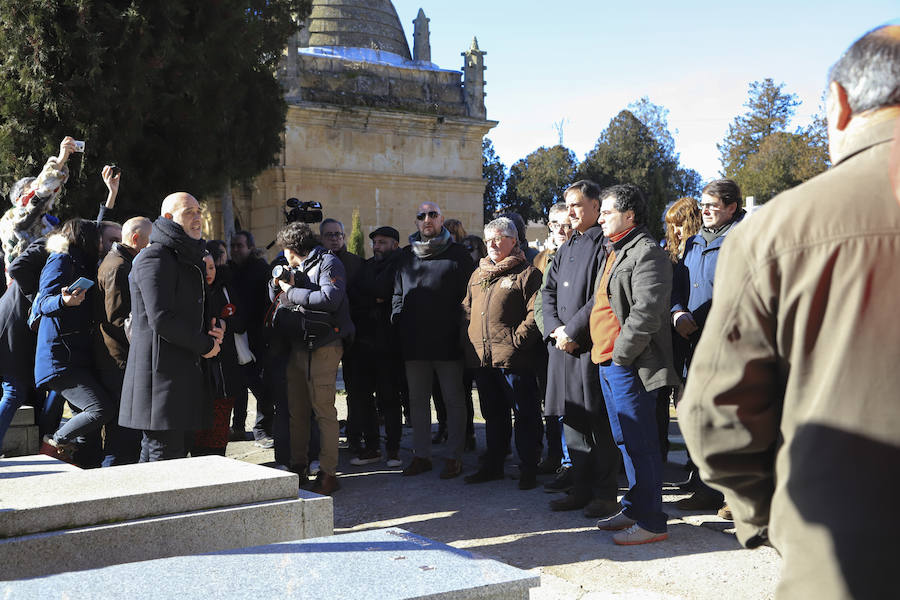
35, 464
195, 532
382, 563
22, 437
72, 499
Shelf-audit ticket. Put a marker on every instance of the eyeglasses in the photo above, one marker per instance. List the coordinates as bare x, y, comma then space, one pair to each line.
711, 207
431, 214
333, 235
497, 240
563, 226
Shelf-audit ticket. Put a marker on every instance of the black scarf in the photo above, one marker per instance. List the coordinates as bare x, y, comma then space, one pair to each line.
171, 235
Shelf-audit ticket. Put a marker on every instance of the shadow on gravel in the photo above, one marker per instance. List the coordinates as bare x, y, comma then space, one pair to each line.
497, 519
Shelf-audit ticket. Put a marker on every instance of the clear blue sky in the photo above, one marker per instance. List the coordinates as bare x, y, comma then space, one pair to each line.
586, 60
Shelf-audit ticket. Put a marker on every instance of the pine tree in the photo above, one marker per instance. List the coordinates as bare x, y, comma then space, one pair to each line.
537, 182
494, 173
769, 110
759, 152
628, 152
357, 242
180, 94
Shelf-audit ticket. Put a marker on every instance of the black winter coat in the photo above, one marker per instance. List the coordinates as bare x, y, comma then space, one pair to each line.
220, 294
17, 341
164, 386
573, 383
427, 303
250, 283
372, 293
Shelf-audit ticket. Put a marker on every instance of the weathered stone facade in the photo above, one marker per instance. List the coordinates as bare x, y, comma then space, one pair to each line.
370, 128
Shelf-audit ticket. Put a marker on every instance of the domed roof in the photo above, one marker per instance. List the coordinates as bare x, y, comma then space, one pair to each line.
357, 24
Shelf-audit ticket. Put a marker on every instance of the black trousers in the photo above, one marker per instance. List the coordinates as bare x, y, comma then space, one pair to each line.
381, 383
595, 458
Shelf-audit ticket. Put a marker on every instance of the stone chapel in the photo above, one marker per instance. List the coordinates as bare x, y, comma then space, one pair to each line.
370, 126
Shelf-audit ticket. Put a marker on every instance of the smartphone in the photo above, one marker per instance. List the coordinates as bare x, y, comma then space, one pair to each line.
82, 283
79, 146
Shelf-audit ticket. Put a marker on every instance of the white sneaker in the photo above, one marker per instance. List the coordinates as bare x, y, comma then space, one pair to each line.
313, 467
636, 534
393, 462
616, 522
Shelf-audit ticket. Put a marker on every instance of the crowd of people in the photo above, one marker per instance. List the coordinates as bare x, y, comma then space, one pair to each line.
154, 336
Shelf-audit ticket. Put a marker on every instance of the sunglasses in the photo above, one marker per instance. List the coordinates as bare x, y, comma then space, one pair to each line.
431, 214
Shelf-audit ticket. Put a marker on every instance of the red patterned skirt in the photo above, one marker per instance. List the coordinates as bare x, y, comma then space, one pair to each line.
217, 436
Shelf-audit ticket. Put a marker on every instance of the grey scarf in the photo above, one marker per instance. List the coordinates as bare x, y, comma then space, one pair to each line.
430, 248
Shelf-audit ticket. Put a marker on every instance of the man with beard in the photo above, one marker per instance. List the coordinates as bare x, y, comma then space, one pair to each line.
431, 281
381, 368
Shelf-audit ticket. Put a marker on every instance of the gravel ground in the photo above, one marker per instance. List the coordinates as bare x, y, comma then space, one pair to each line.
700, 560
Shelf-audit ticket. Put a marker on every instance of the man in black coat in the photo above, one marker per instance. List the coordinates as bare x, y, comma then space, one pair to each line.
164, 388
431, 282
381, 370
573, 384
251, 275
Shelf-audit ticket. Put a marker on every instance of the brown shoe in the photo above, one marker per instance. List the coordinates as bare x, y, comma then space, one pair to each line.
417, 466
569, 502
700, 501
452, 468
325, 484
598, 508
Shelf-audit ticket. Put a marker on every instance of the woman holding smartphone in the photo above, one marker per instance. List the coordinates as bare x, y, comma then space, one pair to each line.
64, 358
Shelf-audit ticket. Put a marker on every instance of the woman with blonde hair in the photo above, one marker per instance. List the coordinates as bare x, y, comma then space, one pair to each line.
683, 219
456, 229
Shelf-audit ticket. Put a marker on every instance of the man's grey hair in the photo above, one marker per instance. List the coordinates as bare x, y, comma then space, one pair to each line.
328, 221
870, 70
503, 226
559, 207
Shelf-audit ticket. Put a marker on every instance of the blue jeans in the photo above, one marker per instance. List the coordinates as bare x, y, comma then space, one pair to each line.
632, 418
500, 390
13, 397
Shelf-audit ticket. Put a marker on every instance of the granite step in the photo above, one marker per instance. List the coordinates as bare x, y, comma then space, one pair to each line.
66, 500
381, 563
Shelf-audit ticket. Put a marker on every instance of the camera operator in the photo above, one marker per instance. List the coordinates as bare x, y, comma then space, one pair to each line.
313, 289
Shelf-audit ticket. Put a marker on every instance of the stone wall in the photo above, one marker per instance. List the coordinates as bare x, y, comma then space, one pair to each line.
350, 83
385, 163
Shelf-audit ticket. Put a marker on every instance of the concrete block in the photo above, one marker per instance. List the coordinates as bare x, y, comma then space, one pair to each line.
382, 563
21, 440
76, 499
23, 416
156, 537
318, 515
36, 464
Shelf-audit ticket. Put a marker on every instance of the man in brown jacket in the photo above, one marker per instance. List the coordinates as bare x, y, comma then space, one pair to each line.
122, 445
791, 405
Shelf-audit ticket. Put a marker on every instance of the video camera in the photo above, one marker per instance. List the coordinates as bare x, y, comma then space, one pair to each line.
303, 212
